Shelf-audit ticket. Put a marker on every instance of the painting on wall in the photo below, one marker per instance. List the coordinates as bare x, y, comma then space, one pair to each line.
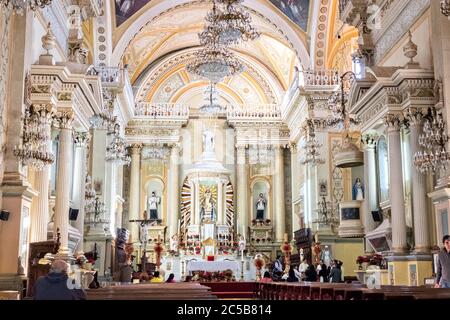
296, 10
126, 8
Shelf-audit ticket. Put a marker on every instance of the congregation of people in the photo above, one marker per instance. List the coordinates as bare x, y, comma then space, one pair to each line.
306, 272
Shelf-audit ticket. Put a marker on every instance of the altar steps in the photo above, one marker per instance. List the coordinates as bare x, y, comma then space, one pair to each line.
233, 290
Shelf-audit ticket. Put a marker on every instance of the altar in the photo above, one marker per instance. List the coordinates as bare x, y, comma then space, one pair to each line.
212, 266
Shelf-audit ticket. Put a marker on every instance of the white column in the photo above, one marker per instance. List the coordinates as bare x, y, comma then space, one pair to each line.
81, 141
280, 223
193, 209
241, 192
134, 190
294, 185
370, 182
398, 221
173, 191
419, 192
197, 201
39, 213
63, 180
220, 211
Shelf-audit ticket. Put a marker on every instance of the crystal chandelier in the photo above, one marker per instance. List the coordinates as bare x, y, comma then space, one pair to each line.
36, 136
211, 105
434, 155
117, 150
261, 154
215, 63
325, 213
312, 147
155, 151
95, 209
445, 7
229, 26
20, 6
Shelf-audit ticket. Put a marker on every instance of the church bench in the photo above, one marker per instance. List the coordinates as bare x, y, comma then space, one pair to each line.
232, 289
157, 291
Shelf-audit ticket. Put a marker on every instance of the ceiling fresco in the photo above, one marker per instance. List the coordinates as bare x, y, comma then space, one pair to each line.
296, 10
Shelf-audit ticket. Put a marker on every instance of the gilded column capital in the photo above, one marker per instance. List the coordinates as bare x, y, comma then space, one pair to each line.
43, 110
81, 139
136, 148
293, 147
369, 140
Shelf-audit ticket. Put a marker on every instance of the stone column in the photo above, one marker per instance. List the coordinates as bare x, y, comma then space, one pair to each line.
173, 191
295, 186
134, 189
220, 211
81, 140
39, 212
197, 201
421, 225
241, 190
398, 221
370, 182
63, 181
280, 223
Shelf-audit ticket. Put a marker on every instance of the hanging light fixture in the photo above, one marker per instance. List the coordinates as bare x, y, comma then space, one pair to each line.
261, 154
155, 151
117, 150
434, 155
20, 6
215, 63
211, 106
445, 8
34, 151
312, 147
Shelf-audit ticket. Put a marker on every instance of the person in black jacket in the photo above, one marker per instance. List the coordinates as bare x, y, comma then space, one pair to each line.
291, 277
311, 274
324, 273
56, 285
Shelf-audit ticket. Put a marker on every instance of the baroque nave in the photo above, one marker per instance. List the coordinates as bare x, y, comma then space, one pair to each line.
214, 140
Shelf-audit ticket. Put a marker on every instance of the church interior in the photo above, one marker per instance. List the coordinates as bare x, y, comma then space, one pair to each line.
218, 141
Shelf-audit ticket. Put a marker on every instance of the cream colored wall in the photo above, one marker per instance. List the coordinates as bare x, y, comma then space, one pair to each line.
347, 252
421, 37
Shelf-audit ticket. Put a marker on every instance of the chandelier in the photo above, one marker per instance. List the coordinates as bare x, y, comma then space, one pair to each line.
155, 151
95, 209
117, 150
445, 8
36, 136
434, 156
312, 147
215, 63
325, 213
261, 154
229, 26
20, 6
211, 105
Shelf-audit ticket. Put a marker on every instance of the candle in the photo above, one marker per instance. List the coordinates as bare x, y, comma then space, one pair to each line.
179, 223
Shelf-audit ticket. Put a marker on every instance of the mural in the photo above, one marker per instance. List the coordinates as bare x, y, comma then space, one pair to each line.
296, 10
126, 8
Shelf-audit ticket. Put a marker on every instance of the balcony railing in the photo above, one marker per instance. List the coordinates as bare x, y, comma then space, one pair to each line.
110, 75
261, 111
320, 78
161, 110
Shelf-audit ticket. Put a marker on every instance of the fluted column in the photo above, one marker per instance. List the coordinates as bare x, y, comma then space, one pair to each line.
134, 189
173, 190
280, 220
63, 181
39, 212
398, 220
81, 140
421, 228
295, 186
370, 181
241, 192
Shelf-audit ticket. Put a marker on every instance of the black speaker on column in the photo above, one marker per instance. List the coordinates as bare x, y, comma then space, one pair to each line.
73, 214
4, 215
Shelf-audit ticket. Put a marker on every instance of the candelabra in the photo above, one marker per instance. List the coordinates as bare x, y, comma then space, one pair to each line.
20, 6
155, 151
261, 154
434, 155
325, 212
211, 106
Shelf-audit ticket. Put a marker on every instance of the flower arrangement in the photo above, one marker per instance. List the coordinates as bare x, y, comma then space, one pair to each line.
221, 276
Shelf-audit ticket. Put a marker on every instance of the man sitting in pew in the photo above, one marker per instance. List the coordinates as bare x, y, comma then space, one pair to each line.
443, 272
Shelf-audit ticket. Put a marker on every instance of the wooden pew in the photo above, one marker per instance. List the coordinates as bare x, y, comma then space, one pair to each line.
152, 291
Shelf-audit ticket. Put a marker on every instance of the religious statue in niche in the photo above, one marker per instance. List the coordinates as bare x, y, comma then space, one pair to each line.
260, 207
326, 256
153, 203
208, 203
208, 140
174, 243
358, 190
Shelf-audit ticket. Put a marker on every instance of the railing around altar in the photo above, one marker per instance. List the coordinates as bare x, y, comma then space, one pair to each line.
257, 111
161, 110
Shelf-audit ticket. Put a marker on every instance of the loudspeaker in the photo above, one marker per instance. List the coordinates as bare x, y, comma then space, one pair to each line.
377, 216
4, 215
73, 214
